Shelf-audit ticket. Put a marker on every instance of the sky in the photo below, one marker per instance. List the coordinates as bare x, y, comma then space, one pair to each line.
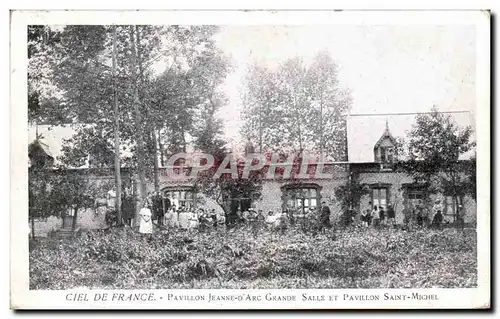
387, 69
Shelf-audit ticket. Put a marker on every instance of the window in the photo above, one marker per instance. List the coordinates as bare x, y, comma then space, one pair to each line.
387, 154
241, 203
380, 197
386, 157
414, 196
302, 198
180, 197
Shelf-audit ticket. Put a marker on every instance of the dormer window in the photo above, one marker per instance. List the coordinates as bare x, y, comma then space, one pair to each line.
384, 150
386, 154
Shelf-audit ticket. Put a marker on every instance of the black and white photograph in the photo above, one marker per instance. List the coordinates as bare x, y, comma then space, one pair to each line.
227, 165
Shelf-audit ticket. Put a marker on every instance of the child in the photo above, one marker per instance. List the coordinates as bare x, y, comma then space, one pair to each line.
364, 218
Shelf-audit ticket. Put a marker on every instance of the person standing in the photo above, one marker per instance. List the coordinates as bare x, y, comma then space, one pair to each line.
376, 217
325, 216
409, 216
364, 218
369, 215
261, 219
174, 221
166, 203
437, 220
382, 215
270, 220
221, 220
157, 204
419, 213
127, 208
437, 209
461, 217
192, 217
391, 215
239, 215
203, 220
183, 218
146, 222
244, 216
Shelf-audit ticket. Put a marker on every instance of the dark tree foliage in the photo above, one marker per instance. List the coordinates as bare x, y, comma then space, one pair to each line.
433, 147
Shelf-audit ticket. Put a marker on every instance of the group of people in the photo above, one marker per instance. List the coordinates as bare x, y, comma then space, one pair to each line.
423, 216
258, 219
299, 216
376, 216
167, 212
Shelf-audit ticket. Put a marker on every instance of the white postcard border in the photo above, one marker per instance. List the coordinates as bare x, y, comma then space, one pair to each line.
23, 298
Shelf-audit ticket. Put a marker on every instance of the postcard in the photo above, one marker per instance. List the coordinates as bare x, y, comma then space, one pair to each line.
250, 159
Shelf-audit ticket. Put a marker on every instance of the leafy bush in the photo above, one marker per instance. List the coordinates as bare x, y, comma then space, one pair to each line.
123, 258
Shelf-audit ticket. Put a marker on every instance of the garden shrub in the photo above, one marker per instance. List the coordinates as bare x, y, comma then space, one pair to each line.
366, 258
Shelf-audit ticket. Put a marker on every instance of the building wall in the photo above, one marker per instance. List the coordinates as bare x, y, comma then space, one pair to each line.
272, 198
396, 194
87, 219
396, 181
44, 226
272, 194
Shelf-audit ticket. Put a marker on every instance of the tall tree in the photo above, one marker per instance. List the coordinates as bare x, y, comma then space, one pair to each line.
329, 107
433, 147
185, 98
42, 56
297, 107
135, 38
116, 114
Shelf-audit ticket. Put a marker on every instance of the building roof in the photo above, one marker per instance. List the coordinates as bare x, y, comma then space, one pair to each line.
53, 137
387, 134
365, 131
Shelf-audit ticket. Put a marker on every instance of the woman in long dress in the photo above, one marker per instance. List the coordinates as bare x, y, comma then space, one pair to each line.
145, 222
183, 218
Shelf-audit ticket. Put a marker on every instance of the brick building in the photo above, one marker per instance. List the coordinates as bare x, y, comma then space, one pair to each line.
371, 142
372, 160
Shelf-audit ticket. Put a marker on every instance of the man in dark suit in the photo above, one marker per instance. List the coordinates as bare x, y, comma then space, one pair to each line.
325, 216
158, 212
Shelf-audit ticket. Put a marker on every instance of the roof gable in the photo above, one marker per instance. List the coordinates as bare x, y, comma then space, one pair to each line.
385, 136
363, 132
51, 139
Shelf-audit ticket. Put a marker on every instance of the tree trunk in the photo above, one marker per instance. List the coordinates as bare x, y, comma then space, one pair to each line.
297, 118
455, 197
321, 127
300, 135
32, 227
118, 177
260, 128
162, 151
155, 161
137, 116
75, 216
183, 136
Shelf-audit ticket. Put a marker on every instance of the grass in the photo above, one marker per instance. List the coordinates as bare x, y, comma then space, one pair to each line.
241, 258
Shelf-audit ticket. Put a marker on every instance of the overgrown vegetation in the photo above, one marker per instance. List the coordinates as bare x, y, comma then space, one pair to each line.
240, 258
